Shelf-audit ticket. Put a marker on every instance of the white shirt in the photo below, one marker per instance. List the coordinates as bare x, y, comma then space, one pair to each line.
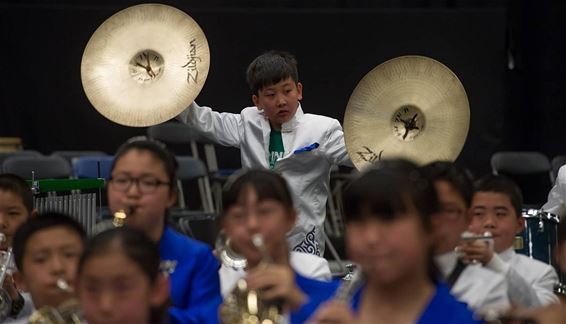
307, 172
307, 265
530, 282
557, 195
483, 290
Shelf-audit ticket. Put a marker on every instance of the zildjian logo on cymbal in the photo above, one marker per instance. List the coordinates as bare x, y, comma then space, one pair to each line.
192, 71
370, 156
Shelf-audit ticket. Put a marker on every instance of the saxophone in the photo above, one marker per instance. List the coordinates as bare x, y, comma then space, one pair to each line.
244, 305
68, 312
118, 220
227, 255
120, 217
349, 286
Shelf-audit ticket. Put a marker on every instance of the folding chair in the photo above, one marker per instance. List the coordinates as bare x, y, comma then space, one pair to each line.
93, 166
530, 170
37, 167
199, 223
72, 155
5, 155
177, 133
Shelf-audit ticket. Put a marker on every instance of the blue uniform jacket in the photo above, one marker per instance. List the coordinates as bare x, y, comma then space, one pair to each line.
442, 308
195, 287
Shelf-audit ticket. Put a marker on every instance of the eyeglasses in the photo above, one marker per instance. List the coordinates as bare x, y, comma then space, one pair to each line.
146, 185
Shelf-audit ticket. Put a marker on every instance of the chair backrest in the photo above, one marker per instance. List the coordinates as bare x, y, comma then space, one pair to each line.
190, 168
555, 165
72, 155
93, 166
174, 133
517, 162
5, 155
530, 170
199, 225
43, 167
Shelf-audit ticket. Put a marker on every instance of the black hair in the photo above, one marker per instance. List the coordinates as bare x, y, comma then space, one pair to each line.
390, 188
503, 185
157, 149
387, 190
457, 177
18, 186
267, 184
135, 245
39, 223
270, 68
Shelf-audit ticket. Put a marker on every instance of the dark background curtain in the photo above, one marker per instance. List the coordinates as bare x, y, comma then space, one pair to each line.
508, 55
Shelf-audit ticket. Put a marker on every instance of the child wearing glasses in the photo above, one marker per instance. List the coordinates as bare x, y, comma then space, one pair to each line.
142, 183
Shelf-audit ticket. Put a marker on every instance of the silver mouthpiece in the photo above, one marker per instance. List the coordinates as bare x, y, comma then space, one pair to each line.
257, 240
63, 285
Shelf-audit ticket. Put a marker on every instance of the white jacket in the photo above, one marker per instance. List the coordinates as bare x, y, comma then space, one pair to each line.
483, 290
557, 195
312, 143
307, 265
530, 282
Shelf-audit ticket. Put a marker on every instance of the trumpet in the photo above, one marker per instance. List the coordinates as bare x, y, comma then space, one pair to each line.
68, 312
5, 300
244, 305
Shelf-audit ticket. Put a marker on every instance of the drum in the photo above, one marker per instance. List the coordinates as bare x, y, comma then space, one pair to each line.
539, 237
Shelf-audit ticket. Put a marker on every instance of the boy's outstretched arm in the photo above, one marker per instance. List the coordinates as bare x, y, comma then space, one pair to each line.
222, 128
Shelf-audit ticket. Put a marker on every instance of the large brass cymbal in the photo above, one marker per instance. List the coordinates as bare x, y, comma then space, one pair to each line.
410, 107
145, 64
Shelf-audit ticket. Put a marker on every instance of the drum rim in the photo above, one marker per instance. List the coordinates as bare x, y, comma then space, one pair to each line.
539, 213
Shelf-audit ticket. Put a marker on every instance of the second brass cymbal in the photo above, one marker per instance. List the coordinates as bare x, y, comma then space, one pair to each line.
411, 107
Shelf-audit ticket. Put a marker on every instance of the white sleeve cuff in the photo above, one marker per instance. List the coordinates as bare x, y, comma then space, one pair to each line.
498, 265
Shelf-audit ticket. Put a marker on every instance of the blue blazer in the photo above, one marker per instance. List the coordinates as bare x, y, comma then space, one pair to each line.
442, 308
195, 287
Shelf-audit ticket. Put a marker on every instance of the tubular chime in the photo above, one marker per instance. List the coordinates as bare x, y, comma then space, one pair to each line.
74, 197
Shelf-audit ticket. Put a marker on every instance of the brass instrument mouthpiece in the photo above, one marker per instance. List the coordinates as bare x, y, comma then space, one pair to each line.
64, 286
257, 240
120, 218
